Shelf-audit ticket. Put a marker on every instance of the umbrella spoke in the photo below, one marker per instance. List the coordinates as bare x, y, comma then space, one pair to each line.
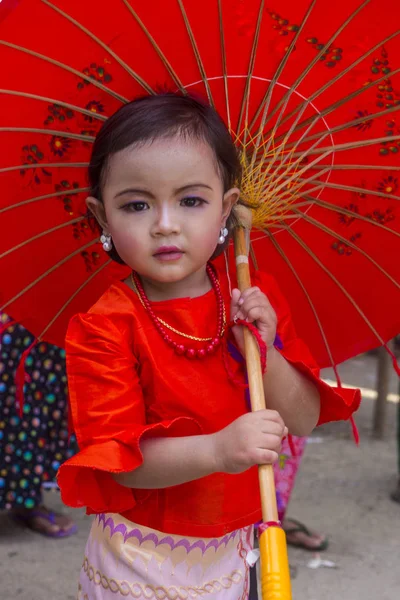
345, 292
346, 212
48, 272
40, 235
301, 108
244, 109
196, 53
157, 48
359, 167
45, 197
308, 297
284, 101
347, 146
65, 67
349, 243
72, 297
105, 47
56, 132
224, 66
271, 134
265, 102
323, 134
83, 111
43, 166
352, 188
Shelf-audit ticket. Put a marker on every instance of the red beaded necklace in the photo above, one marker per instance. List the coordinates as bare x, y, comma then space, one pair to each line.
162, 326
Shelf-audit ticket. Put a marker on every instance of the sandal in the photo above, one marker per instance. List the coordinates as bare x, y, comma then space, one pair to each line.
300, 528
28, 520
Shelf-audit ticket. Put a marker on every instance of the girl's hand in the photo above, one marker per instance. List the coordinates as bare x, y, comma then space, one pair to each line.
253, 305
253, 439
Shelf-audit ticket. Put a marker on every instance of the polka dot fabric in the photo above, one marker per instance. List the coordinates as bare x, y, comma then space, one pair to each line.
32, 447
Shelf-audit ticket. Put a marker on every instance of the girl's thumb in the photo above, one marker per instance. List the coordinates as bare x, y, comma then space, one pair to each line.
235, 302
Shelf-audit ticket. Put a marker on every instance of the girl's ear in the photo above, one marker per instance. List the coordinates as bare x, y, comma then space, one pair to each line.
97, 209
230, 198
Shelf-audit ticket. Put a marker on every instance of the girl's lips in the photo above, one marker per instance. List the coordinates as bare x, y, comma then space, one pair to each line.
168, 253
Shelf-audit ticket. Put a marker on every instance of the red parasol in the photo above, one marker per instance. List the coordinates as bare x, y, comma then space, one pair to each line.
310, 89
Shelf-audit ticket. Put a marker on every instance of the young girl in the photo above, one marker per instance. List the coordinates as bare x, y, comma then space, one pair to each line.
168, 449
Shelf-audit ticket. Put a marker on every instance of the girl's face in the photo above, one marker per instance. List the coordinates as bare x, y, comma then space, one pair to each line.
164, 206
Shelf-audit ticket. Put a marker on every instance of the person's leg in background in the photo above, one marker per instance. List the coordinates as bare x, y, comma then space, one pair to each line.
396, 494
33, 445
286, 470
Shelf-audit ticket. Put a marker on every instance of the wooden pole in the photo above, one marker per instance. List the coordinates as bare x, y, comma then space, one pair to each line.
380, 409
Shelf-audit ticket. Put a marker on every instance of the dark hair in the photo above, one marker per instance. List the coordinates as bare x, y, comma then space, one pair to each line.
151, 117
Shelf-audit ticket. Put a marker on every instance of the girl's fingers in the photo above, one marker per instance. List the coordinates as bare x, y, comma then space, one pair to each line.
270, 415
265, 457
257, 303
235, 303
273, 428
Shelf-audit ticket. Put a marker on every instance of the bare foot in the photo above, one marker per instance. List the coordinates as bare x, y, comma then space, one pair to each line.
44, 521
300, 536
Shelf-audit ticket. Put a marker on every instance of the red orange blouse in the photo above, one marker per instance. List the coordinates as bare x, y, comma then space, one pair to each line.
125, 384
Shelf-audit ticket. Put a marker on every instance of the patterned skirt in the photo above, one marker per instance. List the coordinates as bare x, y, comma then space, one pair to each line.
125, 560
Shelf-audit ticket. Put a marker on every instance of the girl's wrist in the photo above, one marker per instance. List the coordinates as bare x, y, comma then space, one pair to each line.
213, 453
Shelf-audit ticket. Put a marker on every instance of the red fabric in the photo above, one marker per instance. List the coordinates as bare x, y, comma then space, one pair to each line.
125, 383
357, 249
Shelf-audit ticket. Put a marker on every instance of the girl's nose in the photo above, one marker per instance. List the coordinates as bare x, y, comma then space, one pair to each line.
166, 222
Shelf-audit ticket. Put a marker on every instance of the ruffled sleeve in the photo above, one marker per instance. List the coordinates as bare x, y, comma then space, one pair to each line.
336, 403
108, 416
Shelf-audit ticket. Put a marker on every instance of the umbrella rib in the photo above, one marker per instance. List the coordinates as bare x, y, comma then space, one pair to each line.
224, 65
196, 53
84, 111
286, 98
48, 272
80, 288
336, 235
302, 106
40, 235
43, 166
244, 109
351, 188
303, 75
322, 135
66, 68
326, 151
308, 297
349, 297
44, 197
319, 137
103, 45
157, 48
343, 211
268, 94
306, 168
347, 146
359, 167
62, 134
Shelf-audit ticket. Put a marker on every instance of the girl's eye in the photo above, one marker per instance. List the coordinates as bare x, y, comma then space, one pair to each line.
135, 206
192, 202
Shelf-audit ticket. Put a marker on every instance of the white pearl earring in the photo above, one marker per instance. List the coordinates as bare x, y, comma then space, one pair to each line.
223, 234
105, 239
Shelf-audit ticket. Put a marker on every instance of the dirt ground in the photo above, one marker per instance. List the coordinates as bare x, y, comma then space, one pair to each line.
342, 490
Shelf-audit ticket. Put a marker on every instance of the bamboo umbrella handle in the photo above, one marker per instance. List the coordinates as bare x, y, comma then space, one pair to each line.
275, 573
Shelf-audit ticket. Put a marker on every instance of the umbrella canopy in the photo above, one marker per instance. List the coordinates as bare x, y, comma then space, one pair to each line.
311, 93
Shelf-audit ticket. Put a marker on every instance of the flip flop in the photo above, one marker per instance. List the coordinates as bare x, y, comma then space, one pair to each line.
301, 528
50, 517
